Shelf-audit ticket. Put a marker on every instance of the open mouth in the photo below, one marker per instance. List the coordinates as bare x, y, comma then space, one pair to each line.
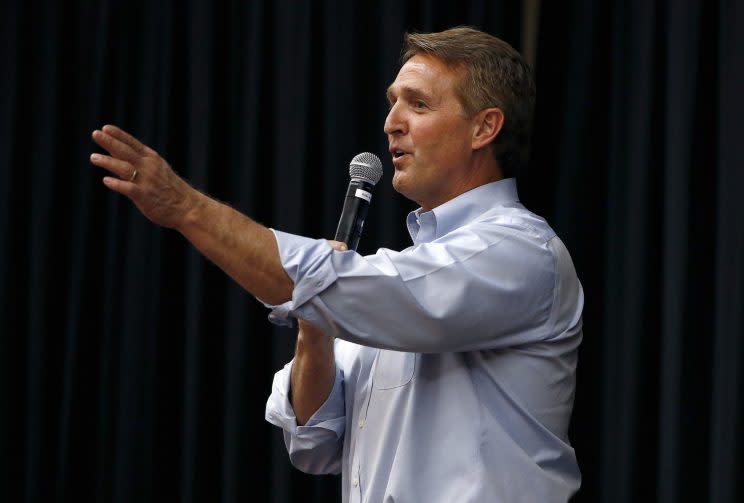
398, 154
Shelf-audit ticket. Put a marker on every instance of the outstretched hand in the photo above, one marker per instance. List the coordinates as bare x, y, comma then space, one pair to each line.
144, 177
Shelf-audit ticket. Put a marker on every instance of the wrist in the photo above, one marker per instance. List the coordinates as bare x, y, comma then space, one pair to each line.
308, 335
314, 342
194, 212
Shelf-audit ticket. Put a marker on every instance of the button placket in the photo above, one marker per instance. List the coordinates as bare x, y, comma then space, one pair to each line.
357, 440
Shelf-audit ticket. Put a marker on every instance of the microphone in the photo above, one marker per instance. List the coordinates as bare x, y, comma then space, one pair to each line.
365, 171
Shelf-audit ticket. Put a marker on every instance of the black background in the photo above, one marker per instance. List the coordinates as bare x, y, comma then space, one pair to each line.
131, 369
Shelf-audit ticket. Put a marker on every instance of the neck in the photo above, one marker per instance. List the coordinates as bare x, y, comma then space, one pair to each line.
484, 170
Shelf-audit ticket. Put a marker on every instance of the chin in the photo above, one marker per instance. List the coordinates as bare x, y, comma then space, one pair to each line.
396, 180
399, 185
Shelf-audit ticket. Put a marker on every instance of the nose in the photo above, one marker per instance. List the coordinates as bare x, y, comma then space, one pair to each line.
395, 123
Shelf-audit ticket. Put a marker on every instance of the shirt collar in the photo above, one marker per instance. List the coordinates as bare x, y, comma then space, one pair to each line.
425, 226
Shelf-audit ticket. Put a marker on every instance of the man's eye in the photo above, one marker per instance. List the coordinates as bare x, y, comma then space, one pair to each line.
419, 104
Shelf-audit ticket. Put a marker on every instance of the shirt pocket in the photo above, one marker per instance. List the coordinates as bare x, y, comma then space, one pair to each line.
393, 369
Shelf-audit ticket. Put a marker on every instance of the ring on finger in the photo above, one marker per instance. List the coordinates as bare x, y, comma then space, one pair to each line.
134, 175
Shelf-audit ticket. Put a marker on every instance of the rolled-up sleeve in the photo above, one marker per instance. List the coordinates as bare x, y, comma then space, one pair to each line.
486, 286
306, 262
316, 447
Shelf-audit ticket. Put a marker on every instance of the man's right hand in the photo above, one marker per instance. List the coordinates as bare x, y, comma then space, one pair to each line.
314, 367
144, 177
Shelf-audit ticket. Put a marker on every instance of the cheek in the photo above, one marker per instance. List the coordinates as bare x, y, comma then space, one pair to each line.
441, 137
429, 138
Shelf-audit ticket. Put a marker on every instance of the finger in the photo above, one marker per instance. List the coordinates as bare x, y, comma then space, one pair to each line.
125, 138
115, 147
120, 168
121, 186
338, 245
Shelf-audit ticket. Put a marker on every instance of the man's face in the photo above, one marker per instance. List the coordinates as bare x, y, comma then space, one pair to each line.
429, 135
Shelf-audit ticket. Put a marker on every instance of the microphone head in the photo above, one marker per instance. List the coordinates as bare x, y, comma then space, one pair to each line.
366, 167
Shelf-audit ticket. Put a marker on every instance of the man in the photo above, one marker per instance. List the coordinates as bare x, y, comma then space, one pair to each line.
444, 372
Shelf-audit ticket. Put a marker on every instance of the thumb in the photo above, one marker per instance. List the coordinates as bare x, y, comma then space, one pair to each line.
338, 245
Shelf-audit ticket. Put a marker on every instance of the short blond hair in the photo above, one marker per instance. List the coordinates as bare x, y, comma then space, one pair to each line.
494, 75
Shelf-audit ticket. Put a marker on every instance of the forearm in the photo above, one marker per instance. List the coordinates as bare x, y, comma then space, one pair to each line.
313, 372
244, 249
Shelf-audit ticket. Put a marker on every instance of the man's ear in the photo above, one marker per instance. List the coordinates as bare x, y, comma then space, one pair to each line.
488, 124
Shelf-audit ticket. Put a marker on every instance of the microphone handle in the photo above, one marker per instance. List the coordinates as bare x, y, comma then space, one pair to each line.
356, 203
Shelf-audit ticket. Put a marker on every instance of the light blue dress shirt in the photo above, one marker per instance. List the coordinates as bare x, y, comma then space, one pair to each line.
455, 358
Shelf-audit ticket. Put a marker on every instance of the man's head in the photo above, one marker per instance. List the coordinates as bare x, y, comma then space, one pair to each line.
493, 75
461, 101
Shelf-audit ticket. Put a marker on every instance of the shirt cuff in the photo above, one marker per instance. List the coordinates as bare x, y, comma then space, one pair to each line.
329, 416
306, 262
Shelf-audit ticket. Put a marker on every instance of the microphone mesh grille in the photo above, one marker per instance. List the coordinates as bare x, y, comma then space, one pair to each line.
367, 167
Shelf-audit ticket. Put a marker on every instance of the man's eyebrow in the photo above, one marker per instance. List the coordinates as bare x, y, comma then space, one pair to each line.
389, 93
405, 91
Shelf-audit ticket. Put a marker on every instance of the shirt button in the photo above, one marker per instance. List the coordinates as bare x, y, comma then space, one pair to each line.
355, 482
361, 423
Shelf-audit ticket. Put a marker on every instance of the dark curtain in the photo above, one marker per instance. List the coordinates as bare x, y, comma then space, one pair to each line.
639, 165
131, 369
